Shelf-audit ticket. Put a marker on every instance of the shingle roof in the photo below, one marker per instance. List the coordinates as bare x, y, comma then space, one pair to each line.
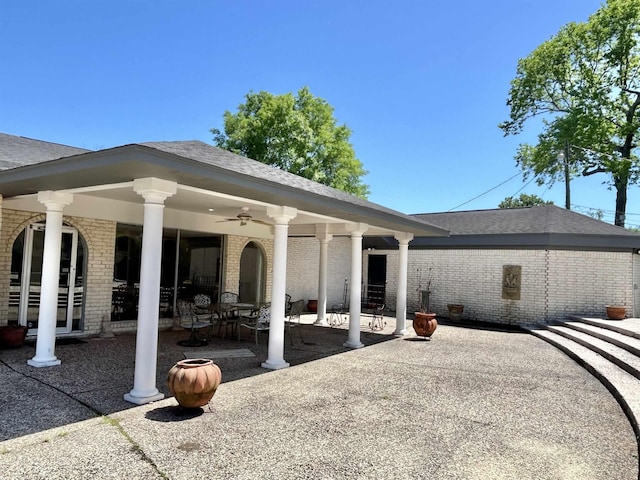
205, 153
541, 227
19, 151
192, 163
210, 155
539, 219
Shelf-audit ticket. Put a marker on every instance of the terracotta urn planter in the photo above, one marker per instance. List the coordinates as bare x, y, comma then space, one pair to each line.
312, 306
455, 311
616, 312
12, 336
425, 324
193, 382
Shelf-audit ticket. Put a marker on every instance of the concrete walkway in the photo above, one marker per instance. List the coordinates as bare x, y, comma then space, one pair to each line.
469, 404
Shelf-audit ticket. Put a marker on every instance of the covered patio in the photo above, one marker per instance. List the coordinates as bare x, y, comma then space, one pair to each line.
95, 370
184, 186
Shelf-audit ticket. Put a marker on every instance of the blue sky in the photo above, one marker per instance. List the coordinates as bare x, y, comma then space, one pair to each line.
422, 84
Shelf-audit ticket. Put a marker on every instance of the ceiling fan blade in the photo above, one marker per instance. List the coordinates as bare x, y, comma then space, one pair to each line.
244, 218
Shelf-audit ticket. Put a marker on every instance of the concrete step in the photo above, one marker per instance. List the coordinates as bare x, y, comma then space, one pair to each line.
622, 385
629, 343
623, 358
629, 326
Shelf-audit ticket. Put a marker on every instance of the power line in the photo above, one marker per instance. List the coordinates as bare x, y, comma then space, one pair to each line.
522, 187
612, 212
492, 188
605, 215
545, 191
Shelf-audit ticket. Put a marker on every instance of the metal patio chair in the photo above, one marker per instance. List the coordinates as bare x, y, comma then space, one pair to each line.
189, 319
258, 323
293, 318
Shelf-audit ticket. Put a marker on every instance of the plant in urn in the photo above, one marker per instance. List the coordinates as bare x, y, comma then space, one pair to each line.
425, 322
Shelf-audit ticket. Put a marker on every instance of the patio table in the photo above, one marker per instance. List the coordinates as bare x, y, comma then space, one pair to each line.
244, 306
226, 314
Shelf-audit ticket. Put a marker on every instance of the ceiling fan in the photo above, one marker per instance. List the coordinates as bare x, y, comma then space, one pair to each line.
244, 218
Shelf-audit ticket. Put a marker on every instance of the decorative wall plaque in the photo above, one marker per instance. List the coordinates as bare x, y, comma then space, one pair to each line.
511, 281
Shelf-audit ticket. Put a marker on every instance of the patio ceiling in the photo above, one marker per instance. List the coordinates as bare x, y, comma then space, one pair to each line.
213, 186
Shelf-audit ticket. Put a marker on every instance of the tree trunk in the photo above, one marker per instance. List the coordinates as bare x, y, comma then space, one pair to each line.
620, 182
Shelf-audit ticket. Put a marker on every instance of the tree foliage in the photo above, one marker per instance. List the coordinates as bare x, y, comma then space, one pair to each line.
298, 134
584, 83
524, 200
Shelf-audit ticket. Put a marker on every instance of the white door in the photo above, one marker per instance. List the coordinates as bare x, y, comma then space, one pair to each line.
70, 288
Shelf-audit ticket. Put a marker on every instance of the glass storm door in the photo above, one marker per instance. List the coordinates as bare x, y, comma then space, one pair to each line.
32, 278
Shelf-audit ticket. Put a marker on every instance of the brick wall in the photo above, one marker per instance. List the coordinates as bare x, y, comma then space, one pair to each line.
555, 283
584, 282
474, 278
303, 259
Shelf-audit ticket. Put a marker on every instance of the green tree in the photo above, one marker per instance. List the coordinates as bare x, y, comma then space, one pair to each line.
584, 83
598, 213
524, 200
298, 134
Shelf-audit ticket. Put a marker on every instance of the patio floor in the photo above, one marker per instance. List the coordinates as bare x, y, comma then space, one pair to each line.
98, 371
469, 404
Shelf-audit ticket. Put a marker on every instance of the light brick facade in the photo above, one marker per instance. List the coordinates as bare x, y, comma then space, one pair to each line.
555, 283
303, 266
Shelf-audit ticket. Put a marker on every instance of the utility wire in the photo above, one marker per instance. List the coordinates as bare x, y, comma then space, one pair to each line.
545, 191
520, 189
602, 209
478, 196
606, 215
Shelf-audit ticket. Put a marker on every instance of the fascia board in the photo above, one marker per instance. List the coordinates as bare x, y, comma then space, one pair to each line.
536, 240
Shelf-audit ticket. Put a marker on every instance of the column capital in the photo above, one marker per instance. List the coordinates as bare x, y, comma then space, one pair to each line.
55, 201
282, 215
403, 237
322, 232
357, 229
154, 190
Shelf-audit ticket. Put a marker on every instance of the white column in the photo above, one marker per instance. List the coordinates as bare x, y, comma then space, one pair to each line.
401, 301
353, 340
282, 217
324, 237
155, 192
48, 312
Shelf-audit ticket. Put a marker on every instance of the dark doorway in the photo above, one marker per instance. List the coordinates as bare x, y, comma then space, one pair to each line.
375, 289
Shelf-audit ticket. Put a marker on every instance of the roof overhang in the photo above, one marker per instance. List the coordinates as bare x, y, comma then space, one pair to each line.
107, 176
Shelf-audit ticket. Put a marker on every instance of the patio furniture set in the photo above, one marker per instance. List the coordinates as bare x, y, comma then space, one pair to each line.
231, 314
